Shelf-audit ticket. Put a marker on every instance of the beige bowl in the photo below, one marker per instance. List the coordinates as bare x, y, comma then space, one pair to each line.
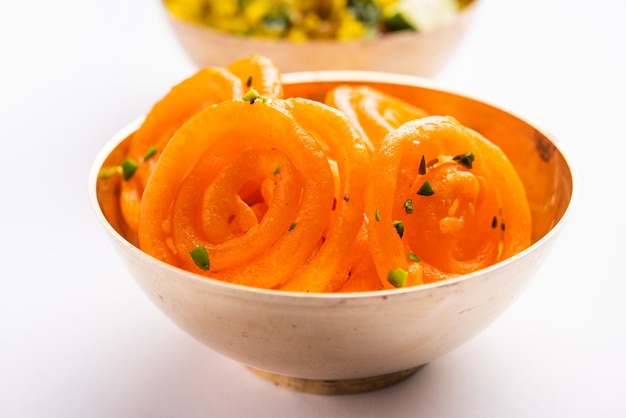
422, 54
346, 343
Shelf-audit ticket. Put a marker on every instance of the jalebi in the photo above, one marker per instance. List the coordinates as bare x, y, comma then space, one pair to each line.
359, 193
207, 86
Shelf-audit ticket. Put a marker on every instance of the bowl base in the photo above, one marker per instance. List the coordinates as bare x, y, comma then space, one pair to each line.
336, 387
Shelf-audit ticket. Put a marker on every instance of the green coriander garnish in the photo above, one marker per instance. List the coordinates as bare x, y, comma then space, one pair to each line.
129, 166
408, 206
276, 170
249, 81
200, 257
292, 226
397, 277
377, 215
422, 169
413, 257
150, 152
426, 189
399, 227
465, 159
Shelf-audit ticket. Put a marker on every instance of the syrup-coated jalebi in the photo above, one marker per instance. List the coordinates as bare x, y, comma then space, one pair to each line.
234, 157
457, 204
373, 113
362, 192
207, 86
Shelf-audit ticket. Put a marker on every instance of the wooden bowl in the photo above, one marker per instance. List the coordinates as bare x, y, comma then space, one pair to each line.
355, 342
417, 53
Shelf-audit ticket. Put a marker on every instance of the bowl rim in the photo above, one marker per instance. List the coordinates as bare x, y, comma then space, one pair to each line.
334, 76
466, 10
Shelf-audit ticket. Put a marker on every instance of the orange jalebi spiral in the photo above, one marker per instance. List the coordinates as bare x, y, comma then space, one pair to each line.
235, 156
362, 192
373, 113
456, 202
206, 87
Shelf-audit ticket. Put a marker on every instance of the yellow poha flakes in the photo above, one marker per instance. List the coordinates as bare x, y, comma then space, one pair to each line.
297, 20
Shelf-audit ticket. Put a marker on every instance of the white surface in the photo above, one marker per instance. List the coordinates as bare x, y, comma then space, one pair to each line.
79, 339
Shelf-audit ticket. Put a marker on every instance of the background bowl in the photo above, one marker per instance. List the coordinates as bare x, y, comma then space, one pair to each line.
346, 343
416, 53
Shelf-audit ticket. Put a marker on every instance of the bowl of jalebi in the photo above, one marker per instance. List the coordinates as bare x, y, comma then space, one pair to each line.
332, 231
406, 36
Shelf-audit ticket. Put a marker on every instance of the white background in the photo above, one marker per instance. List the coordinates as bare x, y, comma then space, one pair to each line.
79, 339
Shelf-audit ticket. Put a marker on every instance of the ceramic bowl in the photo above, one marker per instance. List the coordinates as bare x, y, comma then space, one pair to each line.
416, 53
354, 342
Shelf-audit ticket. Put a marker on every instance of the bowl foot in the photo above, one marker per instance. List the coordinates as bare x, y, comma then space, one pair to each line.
336, 387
